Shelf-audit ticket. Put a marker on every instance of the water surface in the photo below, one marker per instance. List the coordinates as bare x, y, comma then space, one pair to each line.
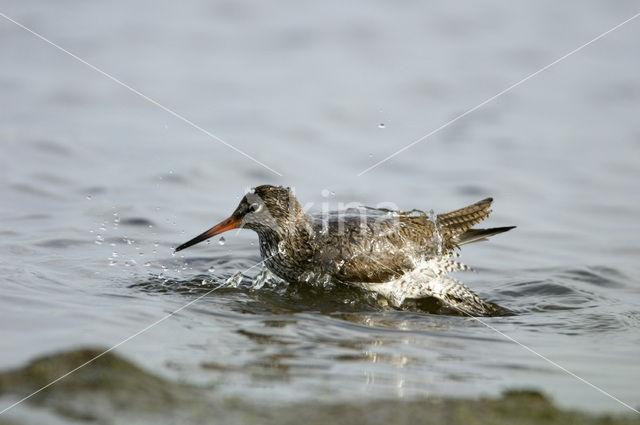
99, 185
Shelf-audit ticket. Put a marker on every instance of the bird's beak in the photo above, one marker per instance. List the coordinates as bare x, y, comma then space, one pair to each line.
228, 224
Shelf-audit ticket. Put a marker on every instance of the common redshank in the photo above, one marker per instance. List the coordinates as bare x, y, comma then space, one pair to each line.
376, 249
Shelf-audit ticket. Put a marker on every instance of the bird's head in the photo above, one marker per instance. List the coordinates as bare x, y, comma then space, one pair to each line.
266, 209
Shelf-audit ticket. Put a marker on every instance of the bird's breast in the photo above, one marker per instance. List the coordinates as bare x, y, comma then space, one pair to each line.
287, 260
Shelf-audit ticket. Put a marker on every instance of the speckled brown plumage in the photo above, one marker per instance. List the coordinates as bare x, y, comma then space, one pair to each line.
363, 245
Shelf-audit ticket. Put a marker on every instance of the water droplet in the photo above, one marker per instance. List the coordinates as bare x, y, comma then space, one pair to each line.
88, 197
222, 240
381, 125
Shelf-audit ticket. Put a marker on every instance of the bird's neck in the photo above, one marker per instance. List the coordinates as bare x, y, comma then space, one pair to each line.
290, 233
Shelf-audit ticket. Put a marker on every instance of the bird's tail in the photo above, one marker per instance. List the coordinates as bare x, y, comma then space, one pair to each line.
459, 221
478, 235
457, 225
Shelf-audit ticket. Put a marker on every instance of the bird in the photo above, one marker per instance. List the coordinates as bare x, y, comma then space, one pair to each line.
372, 248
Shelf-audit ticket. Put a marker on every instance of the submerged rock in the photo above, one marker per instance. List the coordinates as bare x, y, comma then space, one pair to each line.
106, 390
112, 390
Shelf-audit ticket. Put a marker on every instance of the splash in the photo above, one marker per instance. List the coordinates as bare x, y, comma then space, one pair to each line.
430, 279
436, 231
235, 280
265, 277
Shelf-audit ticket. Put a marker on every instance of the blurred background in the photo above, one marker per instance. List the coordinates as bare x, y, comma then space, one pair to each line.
99, 184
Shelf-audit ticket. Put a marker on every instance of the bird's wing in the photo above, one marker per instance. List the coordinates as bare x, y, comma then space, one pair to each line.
376, 245
371, 248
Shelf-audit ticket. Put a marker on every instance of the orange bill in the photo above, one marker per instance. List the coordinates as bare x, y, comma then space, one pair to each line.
228, 224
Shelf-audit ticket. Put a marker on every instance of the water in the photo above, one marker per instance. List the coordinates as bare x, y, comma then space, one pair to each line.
99, 185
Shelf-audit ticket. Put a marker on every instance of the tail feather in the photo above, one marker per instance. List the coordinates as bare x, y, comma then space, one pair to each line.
456, 226
477, 235
457, 222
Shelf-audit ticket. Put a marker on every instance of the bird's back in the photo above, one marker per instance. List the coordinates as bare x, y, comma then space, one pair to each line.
377, 245
370, 245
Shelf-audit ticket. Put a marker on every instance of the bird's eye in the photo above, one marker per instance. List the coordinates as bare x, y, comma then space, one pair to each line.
254, 208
